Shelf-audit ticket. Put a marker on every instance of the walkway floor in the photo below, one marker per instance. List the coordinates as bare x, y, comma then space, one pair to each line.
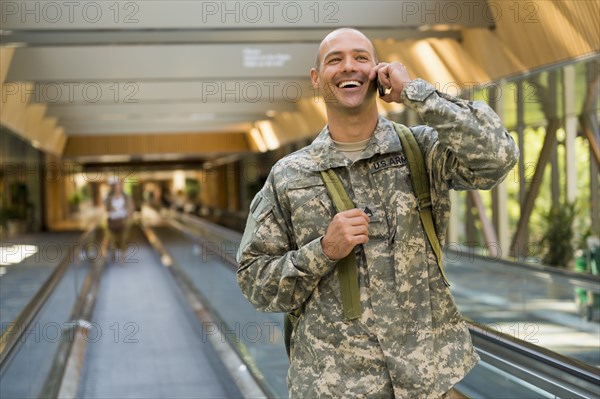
148, 343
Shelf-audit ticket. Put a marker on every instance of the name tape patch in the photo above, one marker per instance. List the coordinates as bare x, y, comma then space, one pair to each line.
387, 162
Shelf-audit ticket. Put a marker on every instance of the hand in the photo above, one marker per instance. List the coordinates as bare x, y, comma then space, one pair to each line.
393, 76
346, 230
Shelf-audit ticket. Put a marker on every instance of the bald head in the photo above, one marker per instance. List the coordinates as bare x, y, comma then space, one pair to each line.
351, 32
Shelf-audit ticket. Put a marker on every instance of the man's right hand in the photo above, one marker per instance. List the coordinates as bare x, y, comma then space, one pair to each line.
346, 230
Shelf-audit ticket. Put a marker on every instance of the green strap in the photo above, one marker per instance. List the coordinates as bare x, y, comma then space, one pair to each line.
420, 181
347, 270
338, 193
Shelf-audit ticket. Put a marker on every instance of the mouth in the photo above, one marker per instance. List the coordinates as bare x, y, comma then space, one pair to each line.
346, 84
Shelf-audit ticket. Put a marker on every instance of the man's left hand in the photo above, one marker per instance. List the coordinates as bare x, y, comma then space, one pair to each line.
391, 76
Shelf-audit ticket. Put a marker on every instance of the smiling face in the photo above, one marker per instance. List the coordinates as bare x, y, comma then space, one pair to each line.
345, 59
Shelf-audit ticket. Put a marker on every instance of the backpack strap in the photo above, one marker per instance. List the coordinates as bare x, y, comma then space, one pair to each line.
347, 269
420, 183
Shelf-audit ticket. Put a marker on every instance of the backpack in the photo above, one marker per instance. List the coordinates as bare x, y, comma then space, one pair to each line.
347, 270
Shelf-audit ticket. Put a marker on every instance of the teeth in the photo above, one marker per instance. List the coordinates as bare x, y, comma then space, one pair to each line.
341, 85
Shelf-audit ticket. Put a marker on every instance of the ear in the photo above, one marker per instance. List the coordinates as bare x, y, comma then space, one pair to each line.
314, 77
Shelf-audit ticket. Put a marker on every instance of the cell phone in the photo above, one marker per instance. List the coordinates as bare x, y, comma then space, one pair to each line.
380, 88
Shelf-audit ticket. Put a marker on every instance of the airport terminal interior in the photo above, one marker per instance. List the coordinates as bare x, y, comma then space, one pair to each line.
185, 106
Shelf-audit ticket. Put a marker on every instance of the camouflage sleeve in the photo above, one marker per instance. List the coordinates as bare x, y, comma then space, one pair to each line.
273, 275
471, 148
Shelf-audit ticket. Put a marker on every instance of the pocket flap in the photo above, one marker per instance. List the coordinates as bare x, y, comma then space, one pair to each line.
306, 182
260, 207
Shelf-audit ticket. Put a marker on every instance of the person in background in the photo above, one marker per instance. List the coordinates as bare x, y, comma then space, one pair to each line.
409, 340
179, 201
119, 208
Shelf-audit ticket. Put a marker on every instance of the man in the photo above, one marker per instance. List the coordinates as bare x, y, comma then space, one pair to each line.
410, 341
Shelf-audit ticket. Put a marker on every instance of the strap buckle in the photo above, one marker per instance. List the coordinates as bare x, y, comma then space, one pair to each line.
425, 203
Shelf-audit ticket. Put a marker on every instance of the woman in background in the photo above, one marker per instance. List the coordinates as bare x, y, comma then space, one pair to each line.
119, 207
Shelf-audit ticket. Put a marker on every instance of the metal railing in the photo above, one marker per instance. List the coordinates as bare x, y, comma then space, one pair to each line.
538, 271
14, 333
549, 371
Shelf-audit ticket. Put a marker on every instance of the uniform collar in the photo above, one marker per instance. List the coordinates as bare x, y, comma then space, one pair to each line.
326, 155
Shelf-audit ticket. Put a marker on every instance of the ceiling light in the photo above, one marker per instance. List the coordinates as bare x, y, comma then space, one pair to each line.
15, 44
258, 140
268, 134
178, 180
202, 117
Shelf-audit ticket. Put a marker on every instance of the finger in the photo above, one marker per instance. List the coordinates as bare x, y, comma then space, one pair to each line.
355, 229
354, 212
359, 231
347, 232
350, 212
376, 70
389, 96
352, 241
360, 219
361, 239
384, 76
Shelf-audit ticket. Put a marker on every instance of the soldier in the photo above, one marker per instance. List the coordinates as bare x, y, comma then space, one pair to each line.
410, 340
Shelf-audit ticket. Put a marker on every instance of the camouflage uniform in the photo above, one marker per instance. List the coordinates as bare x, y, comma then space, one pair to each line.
411, 341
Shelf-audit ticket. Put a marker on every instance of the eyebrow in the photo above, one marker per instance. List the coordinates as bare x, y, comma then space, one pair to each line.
337, 52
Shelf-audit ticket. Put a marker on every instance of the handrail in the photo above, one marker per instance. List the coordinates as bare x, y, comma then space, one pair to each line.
13, 334
538, 271
554, 373
214, 231
231, 219
63, 379
212, 228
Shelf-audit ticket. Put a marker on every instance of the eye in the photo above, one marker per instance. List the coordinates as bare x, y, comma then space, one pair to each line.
362, 58
333, 60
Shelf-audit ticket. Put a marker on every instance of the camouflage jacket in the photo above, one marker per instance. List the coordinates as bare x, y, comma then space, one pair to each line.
411, 341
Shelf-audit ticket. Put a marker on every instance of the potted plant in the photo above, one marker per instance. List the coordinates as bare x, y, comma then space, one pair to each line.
559, 236
558, 242
74, 201
14, 220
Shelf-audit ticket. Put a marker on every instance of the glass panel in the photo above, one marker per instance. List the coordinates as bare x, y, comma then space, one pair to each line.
486, 381
27, 371
526, 305
26, 263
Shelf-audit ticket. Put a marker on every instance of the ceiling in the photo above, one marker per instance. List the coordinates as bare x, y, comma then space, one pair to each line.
137, 69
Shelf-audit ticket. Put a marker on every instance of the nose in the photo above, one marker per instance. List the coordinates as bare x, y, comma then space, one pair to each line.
348, 64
